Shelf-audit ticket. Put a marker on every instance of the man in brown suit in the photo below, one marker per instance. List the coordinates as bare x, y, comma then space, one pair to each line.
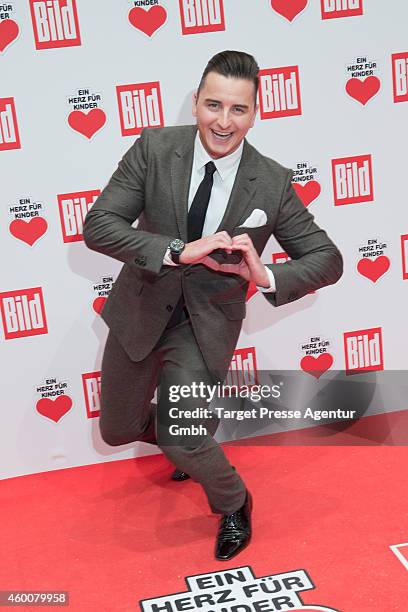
202, 196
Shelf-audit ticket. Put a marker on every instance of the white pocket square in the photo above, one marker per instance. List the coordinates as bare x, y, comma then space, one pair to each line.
256, 219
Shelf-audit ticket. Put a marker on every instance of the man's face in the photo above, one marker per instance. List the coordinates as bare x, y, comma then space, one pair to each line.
225, 111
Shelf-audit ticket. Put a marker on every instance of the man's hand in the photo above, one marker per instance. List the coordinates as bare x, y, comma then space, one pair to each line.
250, 267
195, 252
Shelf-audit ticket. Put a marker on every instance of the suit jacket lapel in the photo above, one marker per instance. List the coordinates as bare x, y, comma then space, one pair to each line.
181, 167
243, 189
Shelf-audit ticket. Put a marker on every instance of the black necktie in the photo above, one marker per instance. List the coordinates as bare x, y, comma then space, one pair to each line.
198, 208
195, 224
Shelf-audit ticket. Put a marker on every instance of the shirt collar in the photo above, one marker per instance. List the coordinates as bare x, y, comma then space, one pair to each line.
224, 165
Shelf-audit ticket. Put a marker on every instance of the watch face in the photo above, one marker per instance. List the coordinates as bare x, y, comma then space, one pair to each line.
176, 246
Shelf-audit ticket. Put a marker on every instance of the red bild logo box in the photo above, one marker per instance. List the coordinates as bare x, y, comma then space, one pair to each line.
23, 313
200, 16
55, 24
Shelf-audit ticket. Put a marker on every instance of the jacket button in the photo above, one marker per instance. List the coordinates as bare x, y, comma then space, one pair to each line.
169, 307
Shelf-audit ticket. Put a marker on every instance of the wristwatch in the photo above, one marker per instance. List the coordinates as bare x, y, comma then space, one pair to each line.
176, 247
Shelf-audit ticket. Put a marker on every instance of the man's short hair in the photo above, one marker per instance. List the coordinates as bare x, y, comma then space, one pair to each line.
237, 64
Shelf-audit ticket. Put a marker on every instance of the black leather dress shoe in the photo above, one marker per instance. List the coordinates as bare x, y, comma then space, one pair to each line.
235, 531
179, 476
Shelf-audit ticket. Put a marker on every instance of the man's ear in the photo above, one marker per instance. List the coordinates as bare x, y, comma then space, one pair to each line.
194, 109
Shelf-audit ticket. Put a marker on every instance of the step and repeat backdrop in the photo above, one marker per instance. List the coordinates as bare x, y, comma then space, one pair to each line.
81, 79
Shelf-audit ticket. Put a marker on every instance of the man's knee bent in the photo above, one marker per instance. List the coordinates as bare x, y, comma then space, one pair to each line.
116, 438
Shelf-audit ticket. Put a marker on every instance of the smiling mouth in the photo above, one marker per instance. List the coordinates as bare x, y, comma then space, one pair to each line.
221, 135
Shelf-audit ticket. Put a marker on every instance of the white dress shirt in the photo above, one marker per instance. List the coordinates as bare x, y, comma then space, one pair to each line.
223, 181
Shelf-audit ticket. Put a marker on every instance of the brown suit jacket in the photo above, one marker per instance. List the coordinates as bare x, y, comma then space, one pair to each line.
152, 184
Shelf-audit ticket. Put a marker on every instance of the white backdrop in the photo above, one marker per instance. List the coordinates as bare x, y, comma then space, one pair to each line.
78, 81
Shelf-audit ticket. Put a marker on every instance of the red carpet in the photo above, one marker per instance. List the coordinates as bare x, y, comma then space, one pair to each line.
116, 533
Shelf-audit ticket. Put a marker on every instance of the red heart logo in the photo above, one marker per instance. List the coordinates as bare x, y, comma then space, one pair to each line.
98, 304
28, 231
54, 409
251, 291
373, 268
87, 124
289, 8
308, 192
9, 31
148, 21
316, 366
364, 90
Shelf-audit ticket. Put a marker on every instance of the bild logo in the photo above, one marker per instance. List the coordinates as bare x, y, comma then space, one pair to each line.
199, 16
400, 76
55, 23
239, 590
363, 350
72, 209
280, 258
242, 371
23, 313
352, 180
91, 383
332, 9
279, 92
9, 136
139, 106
